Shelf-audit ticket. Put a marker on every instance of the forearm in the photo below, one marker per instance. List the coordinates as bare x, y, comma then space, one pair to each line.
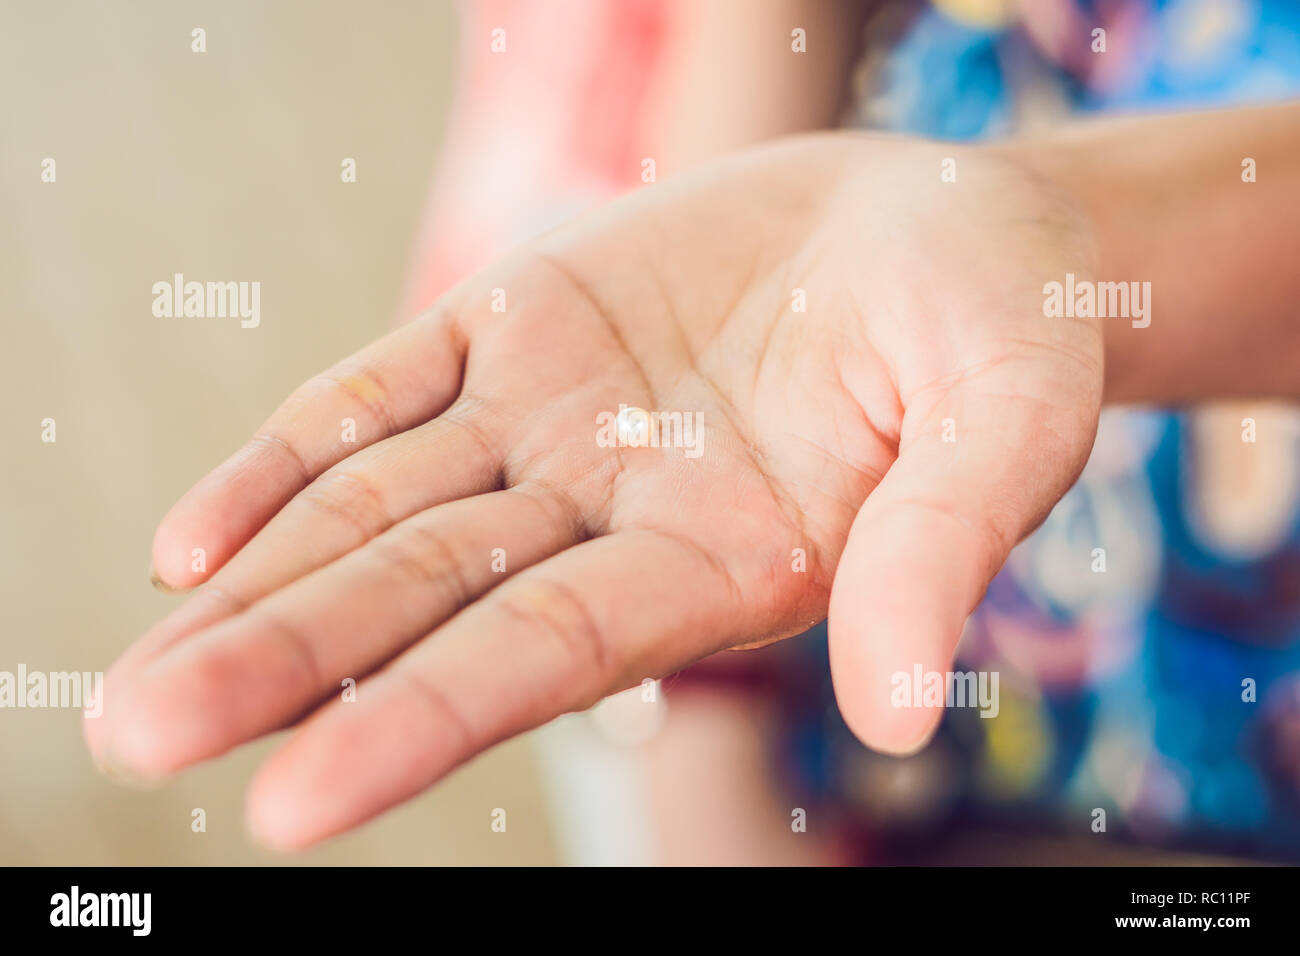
1169, 205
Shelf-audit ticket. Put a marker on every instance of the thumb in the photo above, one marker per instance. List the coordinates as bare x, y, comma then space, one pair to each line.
976, 472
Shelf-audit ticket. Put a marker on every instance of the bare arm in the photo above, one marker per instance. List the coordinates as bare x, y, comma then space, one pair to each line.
1169, 205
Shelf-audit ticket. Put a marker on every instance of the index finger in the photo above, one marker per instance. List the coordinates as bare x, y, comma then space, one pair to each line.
395, 383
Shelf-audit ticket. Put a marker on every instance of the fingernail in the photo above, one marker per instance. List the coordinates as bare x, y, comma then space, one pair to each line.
161, 585
110, 768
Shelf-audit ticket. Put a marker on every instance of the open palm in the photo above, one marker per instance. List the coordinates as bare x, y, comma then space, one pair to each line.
885, 411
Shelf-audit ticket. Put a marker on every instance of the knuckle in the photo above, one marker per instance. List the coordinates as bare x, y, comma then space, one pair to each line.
363, 385
556, 611
350, 498
298, 644
424, 555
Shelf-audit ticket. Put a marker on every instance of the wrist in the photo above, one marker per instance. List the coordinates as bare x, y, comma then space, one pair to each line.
1206, 208
1069, 171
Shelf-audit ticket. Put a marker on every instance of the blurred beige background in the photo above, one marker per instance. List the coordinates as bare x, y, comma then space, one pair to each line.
224, 166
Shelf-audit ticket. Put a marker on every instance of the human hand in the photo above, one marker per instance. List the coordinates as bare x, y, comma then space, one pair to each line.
901, 434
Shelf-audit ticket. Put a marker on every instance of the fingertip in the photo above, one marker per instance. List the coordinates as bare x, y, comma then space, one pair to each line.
896, 732
160, 584
108, 765
273, 816
174, 557
874, 692
135, 754
120, 764
899, 602
280, 813
146, 738
97, 716
221, 513
298, 798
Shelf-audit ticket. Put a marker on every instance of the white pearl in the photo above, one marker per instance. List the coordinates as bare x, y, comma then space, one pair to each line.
633, 426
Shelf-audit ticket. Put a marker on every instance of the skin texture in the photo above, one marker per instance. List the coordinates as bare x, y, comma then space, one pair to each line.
1168, 204
824, 431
